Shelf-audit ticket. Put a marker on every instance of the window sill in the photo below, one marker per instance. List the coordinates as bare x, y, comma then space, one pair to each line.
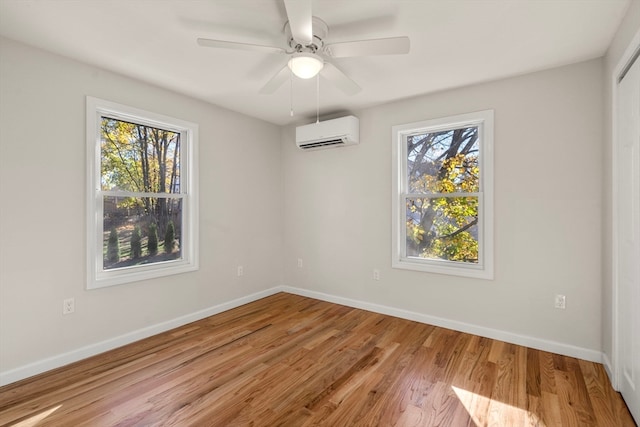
124, 275
473, 271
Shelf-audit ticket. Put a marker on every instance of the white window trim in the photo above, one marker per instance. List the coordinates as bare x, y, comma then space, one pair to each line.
482, 270
96, 276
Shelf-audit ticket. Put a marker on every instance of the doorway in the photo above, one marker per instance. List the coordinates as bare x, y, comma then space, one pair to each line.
627, 232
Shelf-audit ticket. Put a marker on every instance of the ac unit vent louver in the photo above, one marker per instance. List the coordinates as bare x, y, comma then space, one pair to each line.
319, 144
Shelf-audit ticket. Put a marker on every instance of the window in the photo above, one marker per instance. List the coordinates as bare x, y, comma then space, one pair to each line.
443, 195
142, 195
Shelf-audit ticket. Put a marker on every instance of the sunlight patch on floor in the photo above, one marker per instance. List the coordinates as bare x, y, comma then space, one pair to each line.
485, 411
33, 421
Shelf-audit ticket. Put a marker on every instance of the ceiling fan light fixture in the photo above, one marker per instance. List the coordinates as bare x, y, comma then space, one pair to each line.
305, 64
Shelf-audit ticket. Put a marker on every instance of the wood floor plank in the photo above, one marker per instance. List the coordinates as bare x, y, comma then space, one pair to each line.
604, 400
294, 361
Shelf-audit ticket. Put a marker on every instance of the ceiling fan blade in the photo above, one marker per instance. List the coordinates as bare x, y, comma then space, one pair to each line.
388, 46
300, 23
276, 81
239, 46
339, 79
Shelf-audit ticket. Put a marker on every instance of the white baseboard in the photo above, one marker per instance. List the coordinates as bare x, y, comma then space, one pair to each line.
63, 359
57, 361
608, 367
527, 341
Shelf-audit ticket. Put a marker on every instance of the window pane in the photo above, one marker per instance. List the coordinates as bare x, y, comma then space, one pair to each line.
444, 161
138, 158
442, 228
140, 231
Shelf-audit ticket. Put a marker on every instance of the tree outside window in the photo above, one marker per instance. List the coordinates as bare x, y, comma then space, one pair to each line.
138, 159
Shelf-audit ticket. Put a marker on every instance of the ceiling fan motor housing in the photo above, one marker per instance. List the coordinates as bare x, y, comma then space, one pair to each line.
320, 31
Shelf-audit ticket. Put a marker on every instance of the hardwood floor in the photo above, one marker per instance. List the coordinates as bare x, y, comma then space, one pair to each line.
294, 361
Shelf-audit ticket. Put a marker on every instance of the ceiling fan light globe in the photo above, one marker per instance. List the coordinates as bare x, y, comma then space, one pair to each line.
305, 65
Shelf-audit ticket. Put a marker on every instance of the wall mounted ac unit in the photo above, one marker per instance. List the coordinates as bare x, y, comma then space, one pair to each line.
329, 134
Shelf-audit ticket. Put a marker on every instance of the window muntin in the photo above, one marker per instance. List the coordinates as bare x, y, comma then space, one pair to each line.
442, 195
142, 194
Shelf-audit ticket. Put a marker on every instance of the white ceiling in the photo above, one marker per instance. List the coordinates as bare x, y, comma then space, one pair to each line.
453, 43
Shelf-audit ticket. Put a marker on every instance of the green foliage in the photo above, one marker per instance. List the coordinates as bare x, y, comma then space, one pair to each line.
169, 237
113, 246
152, 242
136, 243
451, 240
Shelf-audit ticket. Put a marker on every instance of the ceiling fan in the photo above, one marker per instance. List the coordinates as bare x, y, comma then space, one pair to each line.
310, 53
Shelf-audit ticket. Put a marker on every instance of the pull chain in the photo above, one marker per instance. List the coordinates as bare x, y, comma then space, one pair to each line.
291, 93
318, 98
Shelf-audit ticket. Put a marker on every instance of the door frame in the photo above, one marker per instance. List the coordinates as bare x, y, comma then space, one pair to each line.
625, 61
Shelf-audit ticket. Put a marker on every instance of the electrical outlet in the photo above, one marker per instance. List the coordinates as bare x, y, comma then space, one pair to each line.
240, 271
561, 302
299, 262
376, 274
68, 306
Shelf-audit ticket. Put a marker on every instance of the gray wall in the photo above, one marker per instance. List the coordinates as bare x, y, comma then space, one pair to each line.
42, 226
548, 210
